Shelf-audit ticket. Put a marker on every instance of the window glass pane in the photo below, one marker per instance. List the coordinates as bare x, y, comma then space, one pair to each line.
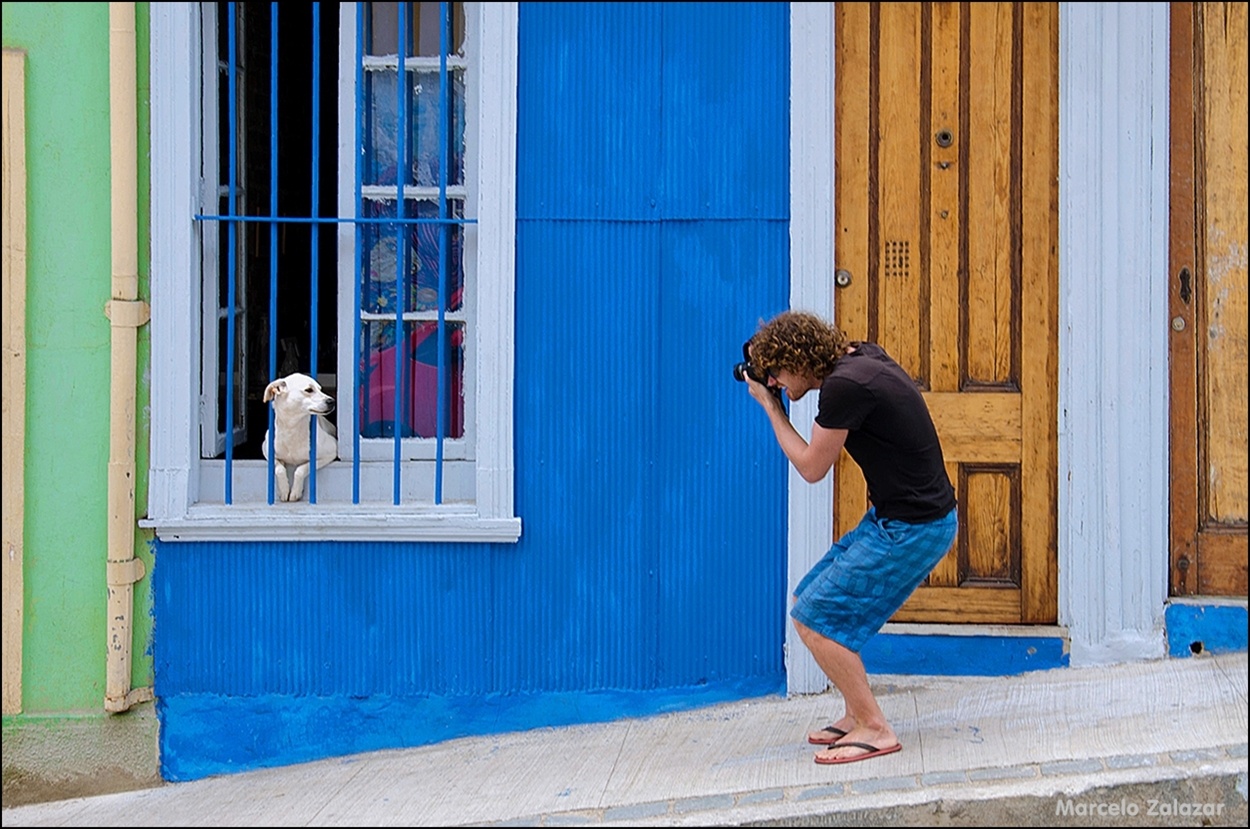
420, 264
426, 139
382, 22
418, 381
423, 150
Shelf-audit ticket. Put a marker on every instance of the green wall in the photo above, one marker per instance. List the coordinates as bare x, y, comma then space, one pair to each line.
67, 355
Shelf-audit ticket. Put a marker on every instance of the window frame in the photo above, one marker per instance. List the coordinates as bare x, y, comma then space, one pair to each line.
456, 452
177, 474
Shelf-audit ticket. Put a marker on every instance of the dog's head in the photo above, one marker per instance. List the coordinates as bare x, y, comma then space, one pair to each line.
298, 394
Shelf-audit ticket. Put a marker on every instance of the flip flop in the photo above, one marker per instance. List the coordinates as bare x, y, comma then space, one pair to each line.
872, 751
835, 735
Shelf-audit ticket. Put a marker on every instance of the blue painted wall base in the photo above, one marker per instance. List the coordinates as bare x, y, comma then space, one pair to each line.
1193, 629
216, 734
898, 653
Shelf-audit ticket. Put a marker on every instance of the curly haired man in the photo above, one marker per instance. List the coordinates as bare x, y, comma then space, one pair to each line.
871, 407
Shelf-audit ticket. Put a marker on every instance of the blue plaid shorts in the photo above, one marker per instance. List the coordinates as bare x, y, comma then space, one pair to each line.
868, 574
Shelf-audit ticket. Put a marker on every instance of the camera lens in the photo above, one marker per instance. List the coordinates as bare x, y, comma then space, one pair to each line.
740, 372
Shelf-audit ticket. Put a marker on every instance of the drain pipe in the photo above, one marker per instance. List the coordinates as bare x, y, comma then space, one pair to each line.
126, 313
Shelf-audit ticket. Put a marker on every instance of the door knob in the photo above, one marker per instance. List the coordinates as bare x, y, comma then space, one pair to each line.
841, 278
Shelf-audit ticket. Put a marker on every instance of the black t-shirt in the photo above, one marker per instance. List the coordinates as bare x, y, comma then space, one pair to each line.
890, 434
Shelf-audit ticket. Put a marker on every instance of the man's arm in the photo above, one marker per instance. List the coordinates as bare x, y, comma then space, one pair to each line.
812, 460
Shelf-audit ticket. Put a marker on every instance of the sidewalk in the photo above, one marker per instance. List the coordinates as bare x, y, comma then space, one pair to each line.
1067, 746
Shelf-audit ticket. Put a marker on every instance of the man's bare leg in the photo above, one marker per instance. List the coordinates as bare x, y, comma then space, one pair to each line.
864, 722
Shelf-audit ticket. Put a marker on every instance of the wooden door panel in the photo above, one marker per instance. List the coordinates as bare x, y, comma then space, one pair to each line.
1222, 352
854, 122
977, 427
961, 605
893, 320
1039, 324
1208, 299
944, 218
991, 330
990, 554
1222, 562
937, 176
947, 571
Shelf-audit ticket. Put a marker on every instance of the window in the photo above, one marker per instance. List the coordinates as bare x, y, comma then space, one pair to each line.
288, 236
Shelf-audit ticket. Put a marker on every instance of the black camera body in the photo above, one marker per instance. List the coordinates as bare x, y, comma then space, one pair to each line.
744, 370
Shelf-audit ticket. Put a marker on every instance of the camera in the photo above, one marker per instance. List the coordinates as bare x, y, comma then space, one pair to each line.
744, 370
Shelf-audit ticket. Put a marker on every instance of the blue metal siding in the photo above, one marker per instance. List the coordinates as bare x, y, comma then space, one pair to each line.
652, 236
721, 488
638, 111
586, 403
322, 619
723, 117
590, 113
636, 284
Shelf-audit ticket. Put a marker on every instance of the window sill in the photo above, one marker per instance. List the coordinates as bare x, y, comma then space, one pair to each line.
301, 521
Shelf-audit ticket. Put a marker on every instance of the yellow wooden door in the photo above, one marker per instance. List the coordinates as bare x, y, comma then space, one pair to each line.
946, 248
1207, 299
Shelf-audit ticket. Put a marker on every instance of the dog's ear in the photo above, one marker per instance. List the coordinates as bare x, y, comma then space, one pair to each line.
274, 389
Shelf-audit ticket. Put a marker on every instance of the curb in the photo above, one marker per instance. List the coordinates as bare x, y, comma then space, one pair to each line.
1214, 779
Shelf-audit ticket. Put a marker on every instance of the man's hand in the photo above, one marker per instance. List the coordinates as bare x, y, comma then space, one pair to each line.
767, 397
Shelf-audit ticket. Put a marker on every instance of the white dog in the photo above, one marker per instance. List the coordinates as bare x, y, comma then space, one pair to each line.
296, 398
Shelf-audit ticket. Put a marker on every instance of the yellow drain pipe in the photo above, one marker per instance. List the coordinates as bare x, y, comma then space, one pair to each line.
126, 313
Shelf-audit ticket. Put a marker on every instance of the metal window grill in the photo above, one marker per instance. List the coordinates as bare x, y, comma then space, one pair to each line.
401, 224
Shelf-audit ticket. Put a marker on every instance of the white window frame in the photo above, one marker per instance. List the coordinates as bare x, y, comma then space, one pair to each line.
457, 452
177, 475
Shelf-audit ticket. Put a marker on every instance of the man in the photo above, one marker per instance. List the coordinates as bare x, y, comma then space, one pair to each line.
871, 407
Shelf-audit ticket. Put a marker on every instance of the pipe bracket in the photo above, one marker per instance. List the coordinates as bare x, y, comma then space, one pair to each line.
118, 704
128, 313
126, 572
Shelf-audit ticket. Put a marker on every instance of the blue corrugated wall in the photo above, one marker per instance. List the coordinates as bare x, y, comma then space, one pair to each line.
652, 236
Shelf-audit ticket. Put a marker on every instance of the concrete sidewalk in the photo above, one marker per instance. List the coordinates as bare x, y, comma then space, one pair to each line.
1154, 743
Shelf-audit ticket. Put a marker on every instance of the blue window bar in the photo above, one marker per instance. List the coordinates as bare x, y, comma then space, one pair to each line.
408, 358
